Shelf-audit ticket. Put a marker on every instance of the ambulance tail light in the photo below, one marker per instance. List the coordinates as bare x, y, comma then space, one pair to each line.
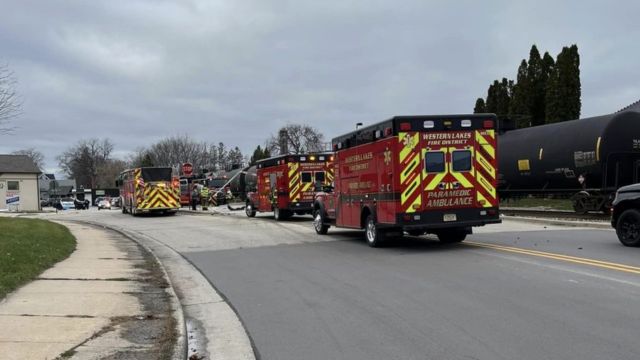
405, 126
176, 183
487, 124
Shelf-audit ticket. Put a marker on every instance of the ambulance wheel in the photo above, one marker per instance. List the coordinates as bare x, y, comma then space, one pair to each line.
250, 210
375, 237
319, 223
450, 236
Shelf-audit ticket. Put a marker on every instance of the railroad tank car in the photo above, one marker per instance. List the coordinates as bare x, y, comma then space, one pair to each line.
588, 158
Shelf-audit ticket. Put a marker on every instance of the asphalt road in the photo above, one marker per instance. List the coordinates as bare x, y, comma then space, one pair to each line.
513, 291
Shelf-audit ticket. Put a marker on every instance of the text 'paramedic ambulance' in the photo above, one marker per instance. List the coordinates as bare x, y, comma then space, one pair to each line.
287, 184
149, 189
419, 174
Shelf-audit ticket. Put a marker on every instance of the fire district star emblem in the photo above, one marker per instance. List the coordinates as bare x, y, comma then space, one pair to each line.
408, 141
387, 156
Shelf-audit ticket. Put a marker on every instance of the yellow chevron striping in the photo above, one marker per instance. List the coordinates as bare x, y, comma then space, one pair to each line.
486, 146
293, 167
408, 170
486, 185
485, 165
482, 199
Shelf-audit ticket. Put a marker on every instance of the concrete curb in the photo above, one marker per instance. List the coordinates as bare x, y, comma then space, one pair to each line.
180, 348
211, 327
586, 224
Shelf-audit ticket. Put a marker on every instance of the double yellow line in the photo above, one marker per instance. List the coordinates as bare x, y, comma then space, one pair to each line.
572, 259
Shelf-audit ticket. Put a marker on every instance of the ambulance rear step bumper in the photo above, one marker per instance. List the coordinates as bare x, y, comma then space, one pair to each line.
435, 219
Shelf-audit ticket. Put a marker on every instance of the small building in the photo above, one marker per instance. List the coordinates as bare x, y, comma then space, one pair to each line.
19, 190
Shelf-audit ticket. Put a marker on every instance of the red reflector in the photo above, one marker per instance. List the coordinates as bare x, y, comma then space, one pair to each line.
405, 126
406, 217
487, 124
492, 212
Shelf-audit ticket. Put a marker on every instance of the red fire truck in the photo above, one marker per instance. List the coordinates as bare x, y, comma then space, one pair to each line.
414, 174
286, 184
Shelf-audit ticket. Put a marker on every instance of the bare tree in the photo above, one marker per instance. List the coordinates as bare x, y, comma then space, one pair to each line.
36, 156
108, 172
84, 161
174, 151
300, 139
10, 104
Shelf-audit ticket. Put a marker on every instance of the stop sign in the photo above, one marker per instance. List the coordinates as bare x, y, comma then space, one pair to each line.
187, 169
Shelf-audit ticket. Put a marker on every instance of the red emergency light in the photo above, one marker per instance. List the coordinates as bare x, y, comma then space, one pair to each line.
405, 126
487, 124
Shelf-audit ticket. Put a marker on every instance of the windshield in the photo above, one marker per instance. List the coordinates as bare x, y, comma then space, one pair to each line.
156, 174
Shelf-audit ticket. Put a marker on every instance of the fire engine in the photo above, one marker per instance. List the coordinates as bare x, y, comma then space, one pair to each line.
414, 174
286, 184
149, 189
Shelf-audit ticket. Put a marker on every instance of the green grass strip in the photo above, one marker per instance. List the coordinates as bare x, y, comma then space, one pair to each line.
28, 247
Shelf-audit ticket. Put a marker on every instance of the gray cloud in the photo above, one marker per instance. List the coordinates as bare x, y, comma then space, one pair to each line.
234, 71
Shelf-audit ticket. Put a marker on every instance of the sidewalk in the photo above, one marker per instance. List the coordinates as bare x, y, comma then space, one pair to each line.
108, 299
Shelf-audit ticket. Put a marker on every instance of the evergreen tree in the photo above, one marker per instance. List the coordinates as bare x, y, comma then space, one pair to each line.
503, 95
491, 104
563, 87
480, 106
536, 90
147, 161
520, 111
259, 154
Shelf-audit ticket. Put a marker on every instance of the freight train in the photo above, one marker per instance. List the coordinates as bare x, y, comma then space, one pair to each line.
588, 159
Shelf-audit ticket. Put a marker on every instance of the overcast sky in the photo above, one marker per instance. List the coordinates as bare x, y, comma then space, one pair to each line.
235, 70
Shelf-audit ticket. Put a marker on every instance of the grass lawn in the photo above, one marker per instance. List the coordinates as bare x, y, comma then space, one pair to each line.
555, 204
28, 247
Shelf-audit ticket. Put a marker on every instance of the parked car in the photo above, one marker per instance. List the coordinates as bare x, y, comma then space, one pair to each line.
625, 217
115, 201
104, 203
66, 204
81, 204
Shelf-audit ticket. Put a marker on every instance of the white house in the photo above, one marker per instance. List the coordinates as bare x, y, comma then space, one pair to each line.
19, 190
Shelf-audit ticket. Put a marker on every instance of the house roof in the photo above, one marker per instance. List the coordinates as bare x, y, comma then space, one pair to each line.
18, 164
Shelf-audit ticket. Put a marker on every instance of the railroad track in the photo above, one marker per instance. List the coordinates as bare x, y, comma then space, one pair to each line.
554, 214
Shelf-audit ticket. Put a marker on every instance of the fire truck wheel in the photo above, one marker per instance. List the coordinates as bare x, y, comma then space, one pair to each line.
123, 209
280, 214
454, 235
318, 223
375, 237
250, 210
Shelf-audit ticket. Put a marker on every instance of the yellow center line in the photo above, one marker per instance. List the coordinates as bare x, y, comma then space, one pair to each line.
573, 259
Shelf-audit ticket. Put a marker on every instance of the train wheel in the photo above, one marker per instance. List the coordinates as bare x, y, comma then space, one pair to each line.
375, 237
628, 228
580, 204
